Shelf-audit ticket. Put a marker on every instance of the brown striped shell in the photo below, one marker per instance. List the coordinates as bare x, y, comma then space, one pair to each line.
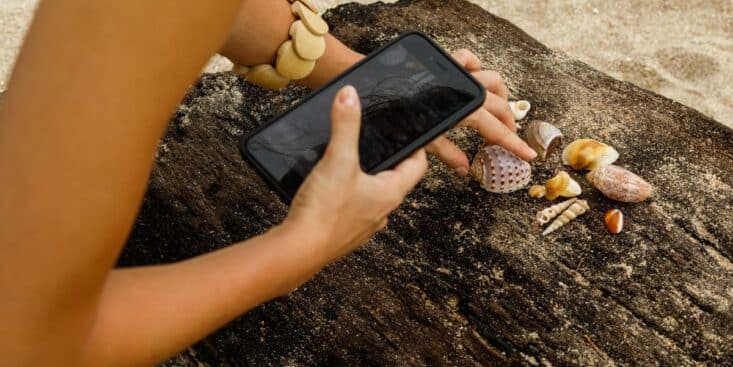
499, 170
620, 184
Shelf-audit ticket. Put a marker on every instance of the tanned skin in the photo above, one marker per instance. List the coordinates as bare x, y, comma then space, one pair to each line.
91, 94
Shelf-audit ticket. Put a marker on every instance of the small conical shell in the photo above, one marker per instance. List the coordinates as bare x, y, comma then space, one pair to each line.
520, 109
620, 184
544, 138
588, 154
545, 216
561, 185
499, 170
578, 208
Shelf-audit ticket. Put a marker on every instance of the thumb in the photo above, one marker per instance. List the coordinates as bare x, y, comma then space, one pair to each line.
468, 60
405, 175
345, 124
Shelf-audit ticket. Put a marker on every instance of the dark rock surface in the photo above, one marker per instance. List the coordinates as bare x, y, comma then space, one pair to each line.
461, 277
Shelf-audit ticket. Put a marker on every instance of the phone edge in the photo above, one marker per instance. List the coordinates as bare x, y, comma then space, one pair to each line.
399, 156
449, 122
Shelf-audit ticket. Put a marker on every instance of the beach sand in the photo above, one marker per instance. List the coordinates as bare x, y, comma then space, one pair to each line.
679, 48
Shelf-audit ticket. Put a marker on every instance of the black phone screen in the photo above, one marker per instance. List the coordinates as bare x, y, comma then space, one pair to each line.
407, 90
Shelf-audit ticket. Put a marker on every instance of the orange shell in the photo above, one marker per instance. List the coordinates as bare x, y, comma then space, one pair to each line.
561, 185
556, 185
588, 154
614, 219
537, 191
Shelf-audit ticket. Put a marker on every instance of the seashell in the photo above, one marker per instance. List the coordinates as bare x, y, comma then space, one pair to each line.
588, 154
620, 184
614, 219
241, 70
575, 210
545, 216
537, 191
309, 4
290, 65
562, 185
520, 109
544, 138
500, 171
310, 18
266, 76
307, 45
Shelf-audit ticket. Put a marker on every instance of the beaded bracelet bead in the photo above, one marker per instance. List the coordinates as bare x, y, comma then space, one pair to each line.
296, 57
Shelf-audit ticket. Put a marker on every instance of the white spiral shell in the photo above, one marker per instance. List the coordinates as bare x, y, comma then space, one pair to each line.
578, 208
545, 216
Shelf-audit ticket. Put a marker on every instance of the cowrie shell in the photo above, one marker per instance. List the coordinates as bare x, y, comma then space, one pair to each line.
311, 20
290, 65
267, 77
308, 45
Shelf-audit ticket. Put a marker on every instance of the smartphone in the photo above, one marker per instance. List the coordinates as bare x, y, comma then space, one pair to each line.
411, 92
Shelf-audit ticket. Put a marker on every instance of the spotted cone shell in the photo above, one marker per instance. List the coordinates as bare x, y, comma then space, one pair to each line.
499, 170
620, 184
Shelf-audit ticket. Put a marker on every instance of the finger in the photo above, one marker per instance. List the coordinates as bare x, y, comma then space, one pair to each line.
499, 107
405, 175
494, 132
493, 82
450, 154
468, 60
345, 125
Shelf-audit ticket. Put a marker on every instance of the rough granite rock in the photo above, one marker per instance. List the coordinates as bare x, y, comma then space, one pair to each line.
461, 277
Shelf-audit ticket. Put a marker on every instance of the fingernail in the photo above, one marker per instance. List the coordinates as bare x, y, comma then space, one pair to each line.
531, 153
348, 96
462, 171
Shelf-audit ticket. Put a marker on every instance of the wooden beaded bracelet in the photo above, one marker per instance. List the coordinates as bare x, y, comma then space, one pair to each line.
296, 57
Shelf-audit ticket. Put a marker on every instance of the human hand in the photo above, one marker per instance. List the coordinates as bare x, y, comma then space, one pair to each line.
339, 204
494, 121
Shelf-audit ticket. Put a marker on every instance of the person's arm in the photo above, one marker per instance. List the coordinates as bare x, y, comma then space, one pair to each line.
147, 314
255, 39
77, 139
92, 91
